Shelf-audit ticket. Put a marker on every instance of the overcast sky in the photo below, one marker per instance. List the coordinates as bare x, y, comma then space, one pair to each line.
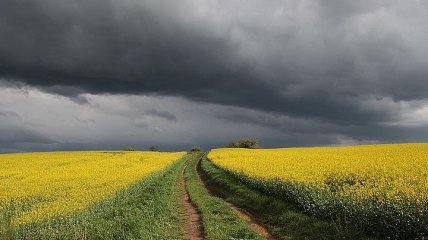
107, 74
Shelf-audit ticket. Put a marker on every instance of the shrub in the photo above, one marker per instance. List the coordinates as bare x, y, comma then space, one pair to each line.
243, 143
195, 149
153, 148
129, 149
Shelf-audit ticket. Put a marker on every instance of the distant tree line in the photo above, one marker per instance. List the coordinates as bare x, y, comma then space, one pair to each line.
250, 143
152, 148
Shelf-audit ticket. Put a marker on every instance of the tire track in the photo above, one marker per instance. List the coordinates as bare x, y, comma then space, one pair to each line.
193, 227
243, 214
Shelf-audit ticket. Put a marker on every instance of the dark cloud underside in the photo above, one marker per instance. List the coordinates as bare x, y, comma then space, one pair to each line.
349, 67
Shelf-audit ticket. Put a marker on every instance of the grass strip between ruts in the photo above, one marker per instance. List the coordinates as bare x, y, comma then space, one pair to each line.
280, 217
219, 221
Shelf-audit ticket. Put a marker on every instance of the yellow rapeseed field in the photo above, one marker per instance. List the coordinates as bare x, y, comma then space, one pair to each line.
386, 183
43, 185
394, 170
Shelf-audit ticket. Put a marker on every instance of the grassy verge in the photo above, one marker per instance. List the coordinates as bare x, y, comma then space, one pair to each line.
6, 229
219, 221
280, 217
150, 209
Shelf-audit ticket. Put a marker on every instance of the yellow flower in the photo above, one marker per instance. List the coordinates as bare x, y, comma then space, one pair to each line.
42, 185
391, 172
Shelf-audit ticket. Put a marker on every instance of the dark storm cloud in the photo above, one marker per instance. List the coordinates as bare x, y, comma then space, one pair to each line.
299, 132
162, 114
31, 120
14, 133
21, 135
9, 114
320, 60
18, 138
84, 120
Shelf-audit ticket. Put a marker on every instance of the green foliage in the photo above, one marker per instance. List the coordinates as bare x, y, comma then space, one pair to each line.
195, 149
150, 209
219, 221
281, 217
7, 231
129, 149
243, 143
154, 148
375, 216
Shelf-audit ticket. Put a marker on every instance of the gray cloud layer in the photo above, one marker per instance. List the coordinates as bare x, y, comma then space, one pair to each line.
34, 120
350, 67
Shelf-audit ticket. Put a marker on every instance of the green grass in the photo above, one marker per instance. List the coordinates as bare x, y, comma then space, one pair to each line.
6, 229
280, 217
152, 209
149, 209
219, 221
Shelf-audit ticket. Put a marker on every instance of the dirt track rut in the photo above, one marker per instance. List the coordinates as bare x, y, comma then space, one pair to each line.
193, 227
244, 215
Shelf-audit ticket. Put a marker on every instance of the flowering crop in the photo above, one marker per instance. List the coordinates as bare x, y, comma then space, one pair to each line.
42, 185
380, 188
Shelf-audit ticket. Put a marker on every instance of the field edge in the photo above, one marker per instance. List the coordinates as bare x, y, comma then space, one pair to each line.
281, 218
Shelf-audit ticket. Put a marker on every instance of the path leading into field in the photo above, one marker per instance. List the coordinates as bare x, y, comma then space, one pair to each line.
251, 221
244, 215
193, 227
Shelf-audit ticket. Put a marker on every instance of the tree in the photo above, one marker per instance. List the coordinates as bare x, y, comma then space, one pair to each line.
195, 149
243, 143
153, 148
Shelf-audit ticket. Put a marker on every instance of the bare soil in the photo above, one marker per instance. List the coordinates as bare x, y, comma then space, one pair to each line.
251, 221
193, 227
244, 215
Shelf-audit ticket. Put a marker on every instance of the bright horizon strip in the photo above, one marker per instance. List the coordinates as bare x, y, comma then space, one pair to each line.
48, 184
